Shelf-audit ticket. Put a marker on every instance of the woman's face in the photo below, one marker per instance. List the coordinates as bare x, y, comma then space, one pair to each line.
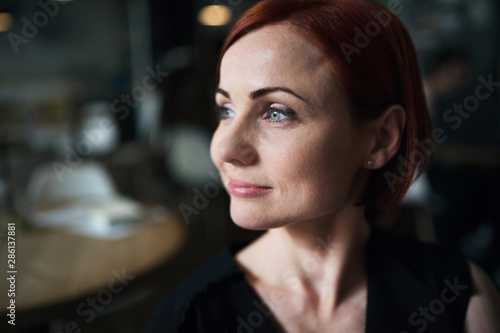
285, 147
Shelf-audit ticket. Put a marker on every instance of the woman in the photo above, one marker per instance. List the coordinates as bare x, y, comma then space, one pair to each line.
323, 118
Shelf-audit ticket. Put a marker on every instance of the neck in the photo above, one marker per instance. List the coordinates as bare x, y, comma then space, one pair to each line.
320, 259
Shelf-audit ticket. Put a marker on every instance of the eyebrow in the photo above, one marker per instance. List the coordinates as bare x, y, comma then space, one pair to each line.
263, 91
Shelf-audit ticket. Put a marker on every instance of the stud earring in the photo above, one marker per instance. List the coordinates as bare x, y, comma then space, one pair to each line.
370, 163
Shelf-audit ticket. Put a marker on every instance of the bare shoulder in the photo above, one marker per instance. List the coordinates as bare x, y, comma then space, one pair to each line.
483, 313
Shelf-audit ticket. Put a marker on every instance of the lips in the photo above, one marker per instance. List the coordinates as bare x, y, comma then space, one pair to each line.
245, 189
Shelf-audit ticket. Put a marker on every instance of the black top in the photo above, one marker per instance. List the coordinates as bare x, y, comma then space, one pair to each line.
412, 287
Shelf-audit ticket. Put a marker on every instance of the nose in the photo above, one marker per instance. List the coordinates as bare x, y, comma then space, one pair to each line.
235, 144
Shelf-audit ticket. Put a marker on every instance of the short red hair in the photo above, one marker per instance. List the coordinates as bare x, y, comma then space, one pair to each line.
373, 57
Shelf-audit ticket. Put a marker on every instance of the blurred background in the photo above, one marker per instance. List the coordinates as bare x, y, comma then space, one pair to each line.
105, 125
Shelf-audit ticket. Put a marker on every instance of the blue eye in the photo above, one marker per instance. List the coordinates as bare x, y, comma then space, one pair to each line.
223, 112
276, 115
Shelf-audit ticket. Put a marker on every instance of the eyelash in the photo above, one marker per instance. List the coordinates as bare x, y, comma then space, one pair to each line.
219, 111
289, 113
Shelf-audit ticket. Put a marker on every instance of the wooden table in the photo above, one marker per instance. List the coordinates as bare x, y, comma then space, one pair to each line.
55, 267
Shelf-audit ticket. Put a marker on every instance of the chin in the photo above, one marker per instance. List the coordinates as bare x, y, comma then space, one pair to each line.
253, 219
251, 225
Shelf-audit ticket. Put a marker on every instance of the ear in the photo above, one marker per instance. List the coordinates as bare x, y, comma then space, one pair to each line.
387, 134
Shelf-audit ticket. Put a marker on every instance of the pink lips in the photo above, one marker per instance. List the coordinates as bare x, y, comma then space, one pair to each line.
244, 189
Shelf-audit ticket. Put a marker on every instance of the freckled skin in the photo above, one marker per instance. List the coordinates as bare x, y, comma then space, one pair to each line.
313, 163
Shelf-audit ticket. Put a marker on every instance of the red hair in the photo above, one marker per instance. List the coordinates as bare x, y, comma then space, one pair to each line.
373, 57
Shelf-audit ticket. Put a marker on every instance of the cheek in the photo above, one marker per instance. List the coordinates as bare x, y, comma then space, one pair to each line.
314, 170
312, 156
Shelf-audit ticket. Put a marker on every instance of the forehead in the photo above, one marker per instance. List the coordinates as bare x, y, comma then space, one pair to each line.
275, 55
